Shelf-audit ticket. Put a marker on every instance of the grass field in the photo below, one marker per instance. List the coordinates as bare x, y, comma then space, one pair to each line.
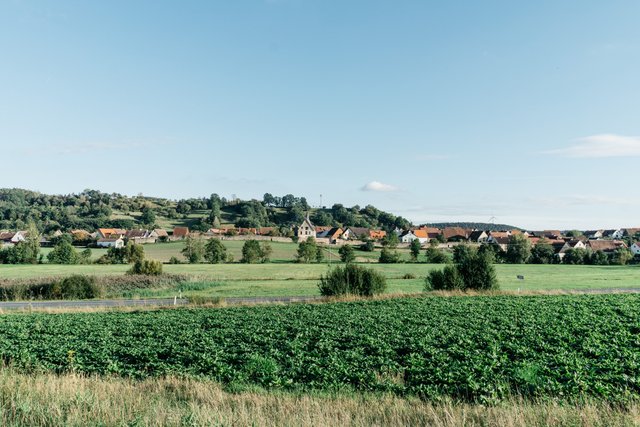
282, 252
273, 279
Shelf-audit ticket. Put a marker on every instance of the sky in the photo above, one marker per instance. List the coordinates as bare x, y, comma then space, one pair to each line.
526, 112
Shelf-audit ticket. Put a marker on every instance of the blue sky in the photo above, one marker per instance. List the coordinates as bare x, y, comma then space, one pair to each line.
437, 111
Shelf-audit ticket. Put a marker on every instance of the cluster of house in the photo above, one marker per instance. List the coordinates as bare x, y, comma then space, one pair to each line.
607, 241
597, 240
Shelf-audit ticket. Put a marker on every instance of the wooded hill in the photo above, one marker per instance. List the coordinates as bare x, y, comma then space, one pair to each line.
474, 225
92, 209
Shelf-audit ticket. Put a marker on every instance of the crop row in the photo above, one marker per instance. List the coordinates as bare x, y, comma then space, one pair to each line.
469, 348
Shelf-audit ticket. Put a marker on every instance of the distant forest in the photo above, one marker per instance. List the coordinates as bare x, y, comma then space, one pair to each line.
92, 209
474, 225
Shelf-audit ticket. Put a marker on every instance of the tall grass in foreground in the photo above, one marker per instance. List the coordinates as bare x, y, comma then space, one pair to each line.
72, 400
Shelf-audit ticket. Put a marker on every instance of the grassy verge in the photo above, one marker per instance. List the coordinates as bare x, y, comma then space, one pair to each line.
73, 400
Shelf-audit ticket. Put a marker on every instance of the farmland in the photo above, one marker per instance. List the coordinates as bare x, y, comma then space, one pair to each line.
274, 279
474, 349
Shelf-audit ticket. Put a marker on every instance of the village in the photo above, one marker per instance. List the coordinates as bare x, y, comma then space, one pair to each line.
607, 241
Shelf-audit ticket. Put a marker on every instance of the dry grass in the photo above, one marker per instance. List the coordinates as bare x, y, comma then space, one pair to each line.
45, 399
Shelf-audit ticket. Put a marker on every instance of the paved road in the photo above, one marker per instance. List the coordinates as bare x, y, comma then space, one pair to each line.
158, 302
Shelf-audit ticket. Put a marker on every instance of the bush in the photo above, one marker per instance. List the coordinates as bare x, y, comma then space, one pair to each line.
388, 256
309, 251
367, 246
253, 252
174, 260
352, 279
446, 279
76, 287
436, 256
472, 271
147, 267
477, 272
346, 253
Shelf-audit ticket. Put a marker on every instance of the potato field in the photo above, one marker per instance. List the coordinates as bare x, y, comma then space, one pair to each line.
475, 349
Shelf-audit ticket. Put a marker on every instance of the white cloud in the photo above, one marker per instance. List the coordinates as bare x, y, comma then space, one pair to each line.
604, 145
379, 186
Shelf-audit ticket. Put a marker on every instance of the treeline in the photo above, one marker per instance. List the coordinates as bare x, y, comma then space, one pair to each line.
93, 209
474, 226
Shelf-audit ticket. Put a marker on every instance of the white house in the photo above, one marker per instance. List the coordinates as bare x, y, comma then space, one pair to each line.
635, 248
613, 234
11, 238
412, 235
593, 234
110, 243
478, 236
305, 230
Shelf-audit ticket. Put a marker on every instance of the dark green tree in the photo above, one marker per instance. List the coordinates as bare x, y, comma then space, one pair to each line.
542, 253
252, 252
193, 249
63, 253
389, 256
307, 251
215, 252
415, 248
518, 249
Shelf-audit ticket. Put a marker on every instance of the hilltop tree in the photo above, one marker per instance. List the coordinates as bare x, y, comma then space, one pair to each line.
148, 217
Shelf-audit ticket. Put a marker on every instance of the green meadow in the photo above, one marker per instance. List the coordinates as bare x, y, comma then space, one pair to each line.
291, 279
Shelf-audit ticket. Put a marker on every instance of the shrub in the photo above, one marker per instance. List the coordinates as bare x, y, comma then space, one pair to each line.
147, 267
436, 256
477, 272
472, 271
367, 246
76, 287
446, 279
388, 256
253, 252
215, 252
174, 260
352, 279
346, 253
308, 251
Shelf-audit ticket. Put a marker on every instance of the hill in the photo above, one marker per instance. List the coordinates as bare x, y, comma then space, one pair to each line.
475, 225
92, 209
